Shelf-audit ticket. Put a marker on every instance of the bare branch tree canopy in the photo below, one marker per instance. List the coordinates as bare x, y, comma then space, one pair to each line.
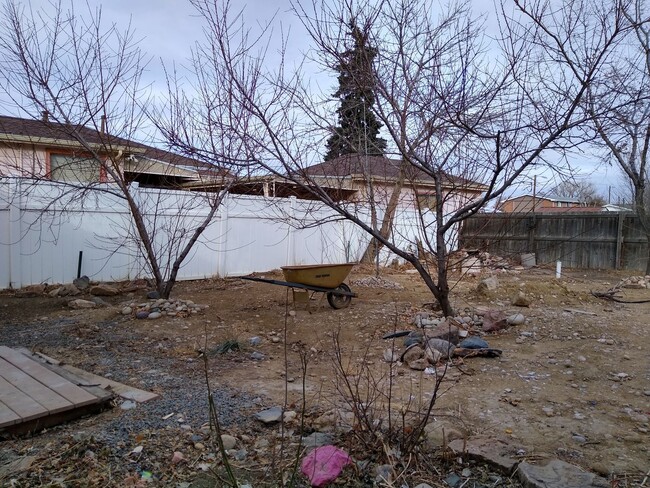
85, 79
458, 115
358, 129
620, 107
582, 190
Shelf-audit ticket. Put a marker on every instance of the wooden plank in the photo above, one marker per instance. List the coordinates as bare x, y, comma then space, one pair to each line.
20, 403
37, 391
63, 387
7, 415
125, 391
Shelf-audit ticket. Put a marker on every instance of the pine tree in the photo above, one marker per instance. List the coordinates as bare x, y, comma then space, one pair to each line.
358, 129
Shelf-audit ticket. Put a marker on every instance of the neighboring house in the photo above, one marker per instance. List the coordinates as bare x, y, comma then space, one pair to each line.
46, 150
373, 178
525, 203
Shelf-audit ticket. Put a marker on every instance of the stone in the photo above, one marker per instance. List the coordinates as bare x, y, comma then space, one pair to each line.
82, 282
516, 319
487, 285
474, 342
412, 353
55, 292
391, 355
520, 300
466, 473
418, 364
153, 295
177, 457
432, 355
69, 290
494, 320
255, 341
128, 405
80, 304
439, 433
154, 315
445, 348
558, 474
104, 290
289, 416
240, 454
31, 291
257, 356
99, 302
415, 337
270, 415
229, 442
317, 439
496, 452
445, 332
384, 474
127, 311
141, 314
453, 480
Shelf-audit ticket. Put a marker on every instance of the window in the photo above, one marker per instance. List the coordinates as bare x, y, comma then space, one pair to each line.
426, 201
71, 168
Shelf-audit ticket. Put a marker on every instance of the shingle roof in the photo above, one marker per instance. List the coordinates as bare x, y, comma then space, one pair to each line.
379, 167
47, 132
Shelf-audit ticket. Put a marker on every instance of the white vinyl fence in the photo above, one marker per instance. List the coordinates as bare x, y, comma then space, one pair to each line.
41, 241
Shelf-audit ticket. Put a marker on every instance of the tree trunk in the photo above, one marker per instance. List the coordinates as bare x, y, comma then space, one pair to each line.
375, 245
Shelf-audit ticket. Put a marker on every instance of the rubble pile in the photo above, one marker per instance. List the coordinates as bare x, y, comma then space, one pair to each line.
635, 282
154, 309
377, 282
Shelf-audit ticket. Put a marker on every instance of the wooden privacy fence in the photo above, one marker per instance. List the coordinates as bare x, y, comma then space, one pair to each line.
607, 240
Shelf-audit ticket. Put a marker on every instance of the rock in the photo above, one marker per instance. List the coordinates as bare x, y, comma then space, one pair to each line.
177, 457
494, 320
99, 302
240, 455
432, 355
128, 405
414, 337
391, 355
255, 341
453, 480
69, 290
270, 415
412, 353
317, 439
154, 315
487, 285
474, 342
55, 292
466, 473
229, 442
520, 300
289, 416
445, 348
496, 452
80, 304
82, 282
127, 311
418, 364
516, 319
153, 295
141, 314
439, 433
104, 290
558, 474
31, 291
446, 332
257, 356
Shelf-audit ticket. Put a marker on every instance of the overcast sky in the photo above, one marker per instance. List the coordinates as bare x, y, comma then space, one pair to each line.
168, 28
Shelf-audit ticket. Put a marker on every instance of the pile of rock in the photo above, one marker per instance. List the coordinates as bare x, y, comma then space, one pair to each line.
377, 282
154, 309
638, 282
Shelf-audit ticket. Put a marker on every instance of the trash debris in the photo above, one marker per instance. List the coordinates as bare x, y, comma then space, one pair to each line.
324, 464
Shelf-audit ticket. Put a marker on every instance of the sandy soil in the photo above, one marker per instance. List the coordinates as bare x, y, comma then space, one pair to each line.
573, 382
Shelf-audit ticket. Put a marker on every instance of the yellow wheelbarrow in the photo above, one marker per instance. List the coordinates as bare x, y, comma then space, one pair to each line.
322, 278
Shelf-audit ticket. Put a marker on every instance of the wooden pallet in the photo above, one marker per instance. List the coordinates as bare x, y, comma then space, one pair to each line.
34, 395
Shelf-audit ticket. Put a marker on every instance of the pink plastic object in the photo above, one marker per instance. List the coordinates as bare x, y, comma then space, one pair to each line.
324, 464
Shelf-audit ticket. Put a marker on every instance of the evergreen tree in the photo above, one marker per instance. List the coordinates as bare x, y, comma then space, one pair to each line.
358, 129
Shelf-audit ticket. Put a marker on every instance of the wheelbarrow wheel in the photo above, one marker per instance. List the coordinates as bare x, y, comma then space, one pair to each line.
339, 301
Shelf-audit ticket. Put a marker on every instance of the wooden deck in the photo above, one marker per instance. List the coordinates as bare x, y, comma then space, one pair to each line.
34, 395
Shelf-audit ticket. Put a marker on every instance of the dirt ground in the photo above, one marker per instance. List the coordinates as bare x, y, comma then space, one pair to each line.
573, 382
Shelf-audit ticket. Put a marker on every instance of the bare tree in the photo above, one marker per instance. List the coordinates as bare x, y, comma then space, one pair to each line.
620, 107
455, 113
86, 80
582, 190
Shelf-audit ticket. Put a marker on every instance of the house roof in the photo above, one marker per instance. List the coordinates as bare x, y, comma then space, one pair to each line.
542, 197
360, 166
52, 134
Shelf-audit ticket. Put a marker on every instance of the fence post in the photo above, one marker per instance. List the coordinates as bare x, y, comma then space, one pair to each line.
619, 241
14, 239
